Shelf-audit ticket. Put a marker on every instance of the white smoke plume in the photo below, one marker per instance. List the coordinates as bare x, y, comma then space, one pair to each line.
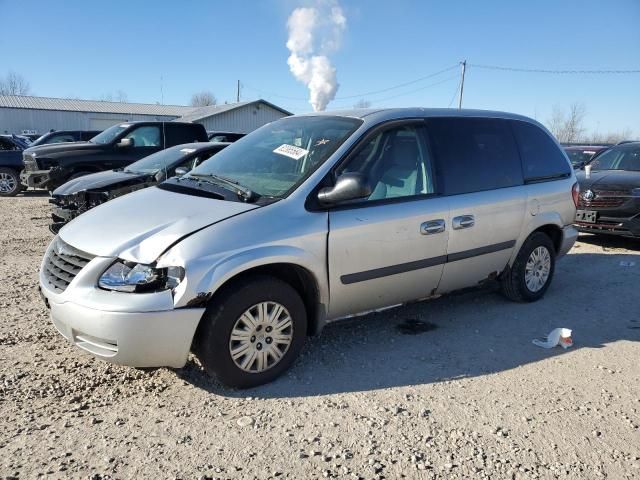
314, 33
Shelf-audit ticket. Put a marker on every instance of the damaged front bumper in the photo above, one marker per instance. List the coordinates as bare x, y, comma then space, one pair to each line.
67, 207
36, 178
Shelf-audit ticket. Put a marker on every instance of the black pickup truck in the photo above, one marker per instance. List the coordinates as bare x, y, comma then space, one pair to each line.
49, 166
11, 149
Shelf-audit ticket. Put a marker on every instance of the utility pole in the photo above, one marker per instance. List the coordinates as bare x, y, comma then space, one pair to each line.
238, 94
464, 67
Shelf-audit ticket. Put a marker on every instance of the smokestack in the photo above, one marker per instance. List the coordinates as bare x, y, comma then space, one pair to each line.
315, 33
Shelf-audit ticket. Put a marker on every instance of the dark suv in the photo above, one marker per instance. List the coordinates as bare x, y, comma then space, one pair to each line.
610, 192
65, 136
49, 166
11, 148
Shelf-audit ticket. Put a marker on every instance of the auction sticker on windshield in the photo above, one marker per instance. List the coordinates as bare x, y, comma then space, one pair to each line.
291, 151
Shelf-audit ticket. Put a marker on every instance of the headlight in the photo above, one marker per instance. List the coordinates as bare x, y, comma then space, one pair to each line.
134, 277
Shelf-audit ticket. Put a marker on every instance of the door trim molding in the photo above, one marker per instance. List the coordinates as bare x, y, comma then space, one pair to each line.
423, 263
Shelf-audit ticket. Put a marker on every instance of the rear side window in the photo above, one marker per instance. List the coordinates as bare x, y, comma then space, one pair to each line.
474, 154
542, 159
179, 134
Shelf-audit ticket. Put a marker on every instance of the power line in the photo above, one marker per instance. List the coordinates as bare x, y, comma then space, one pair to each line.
448, 79
556, 72
455, 93
360, 95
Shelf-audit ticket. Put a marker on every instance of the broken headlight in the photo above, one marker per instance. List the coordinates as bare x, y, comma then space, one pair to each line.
138, 278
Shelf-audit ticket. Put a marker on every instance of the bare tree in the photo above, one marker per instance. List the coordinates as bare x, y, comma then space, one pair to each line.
568, 127
203, 99
14, 84
362, 103
121, 96
610, 137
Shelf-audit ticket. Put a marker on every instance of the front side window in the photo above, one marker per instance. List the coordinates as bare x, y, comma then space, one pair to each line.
622, 157
542, 159
474, 154
396, 163
278, 157
147, 136
110, 134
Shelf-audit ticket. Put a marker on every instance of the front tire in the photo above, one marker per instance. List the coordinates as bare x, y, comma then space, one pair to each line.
9, 182
532, 271
252, 332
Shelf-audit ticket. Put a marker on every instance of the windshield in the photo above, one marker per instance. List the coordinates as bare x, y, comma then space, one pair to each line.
579, 157
279, 156
162, 159
622, 157
109, 134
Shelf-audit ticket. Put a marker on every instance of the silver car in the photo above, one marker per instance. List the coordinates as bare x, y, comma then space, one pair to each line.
307, 220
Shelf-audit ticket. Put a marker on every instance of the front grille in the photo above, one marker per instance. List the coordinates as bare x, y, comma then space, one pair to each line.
62, 264
605, 199
30, 164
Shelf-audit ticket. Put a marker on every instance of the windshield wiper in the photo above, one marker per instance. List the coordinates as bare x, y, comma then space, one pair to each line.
243, 192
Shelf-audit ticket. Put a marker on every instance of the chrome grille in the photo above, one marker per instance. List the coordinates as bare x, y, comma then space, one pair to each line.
605, 199
62, 264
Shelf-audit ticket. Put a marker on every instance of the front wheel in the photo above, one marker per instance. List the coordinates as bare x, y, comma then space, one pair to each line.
532, 271
252, 332
9, 182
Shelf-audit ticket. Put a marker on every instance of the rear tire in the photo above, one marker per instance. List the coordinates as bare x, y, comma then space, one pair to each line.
268, 321
9, 182
532, 271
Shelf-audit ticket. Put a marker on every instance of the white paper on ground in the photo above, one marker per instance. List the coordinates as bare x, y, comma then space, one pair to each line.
557, 336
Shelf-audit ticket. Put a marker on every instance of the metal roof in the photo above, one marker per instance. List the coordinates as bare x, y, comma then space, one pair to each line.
203, 112
75, 105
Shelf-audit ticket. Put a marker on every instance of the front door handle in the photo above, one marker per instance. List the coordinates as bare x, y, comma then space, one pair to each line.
432, 226
463, 221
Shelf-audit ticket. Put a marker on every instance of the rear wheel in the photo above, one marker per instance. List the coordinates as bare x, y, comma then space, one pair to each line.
9, 182
252, 332
532, 271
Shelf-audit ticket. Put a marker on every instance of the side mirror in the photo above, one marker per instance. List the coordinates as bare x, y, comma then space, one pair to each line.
126, 143
180, 171
349, 186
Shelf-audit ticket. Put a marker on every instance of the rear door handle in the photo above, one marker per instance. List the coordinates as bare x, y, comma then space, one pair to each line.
463, 221
432, 226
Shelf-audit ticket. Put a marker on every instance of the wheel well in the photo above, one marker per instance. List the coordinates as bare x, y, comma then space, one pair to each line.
554, 233
298, 277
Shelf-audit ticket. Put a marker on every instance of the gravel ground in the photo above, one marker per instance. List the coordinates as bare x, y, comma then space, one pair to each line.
450, 388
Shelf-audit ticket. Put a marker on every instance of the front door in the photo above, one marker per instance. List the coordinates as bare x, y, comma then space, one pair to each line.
391, 247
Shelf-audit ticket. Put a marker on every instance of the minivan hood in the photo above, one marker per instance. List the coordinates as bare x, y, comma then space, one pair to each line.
101, 180
140, 226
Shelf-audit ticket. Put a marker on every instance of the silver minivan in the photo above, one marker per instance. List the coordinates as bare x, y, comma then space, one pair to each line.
307, 220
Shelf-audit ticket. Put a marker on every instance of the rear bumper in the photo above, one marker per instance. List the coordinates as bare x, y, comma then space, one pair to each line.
137, 339
569, 237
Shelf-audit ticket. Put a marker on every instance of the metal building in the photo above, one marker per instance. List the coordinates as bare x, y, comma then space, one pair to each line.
42, 114
242, 117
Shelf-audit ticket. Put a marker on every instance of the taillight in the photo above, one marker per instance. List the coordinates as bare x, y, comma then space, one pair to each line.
575, 192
